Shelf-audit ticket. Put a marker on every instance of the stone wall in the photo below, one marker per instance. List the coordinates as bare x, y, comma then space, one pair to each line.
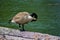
14, 34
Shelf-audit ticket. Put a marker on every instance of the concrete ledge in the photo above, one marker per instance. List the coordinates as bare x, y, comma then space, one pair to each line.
13, 34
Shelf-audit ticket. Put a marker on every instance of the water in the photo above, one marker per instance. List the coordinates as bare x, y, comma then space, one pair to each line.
48, 12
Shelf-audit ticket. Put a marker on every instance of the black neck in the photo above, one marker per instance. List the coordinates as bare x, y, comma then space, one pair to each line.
34, 15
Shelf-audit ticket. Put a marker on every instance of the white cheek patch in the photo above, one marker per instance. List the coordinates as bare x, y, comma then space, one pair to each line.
13, 21
29, 17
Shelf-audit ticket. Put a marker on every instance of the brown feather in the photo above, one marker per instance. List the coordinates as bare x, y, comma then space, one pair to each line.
22, 18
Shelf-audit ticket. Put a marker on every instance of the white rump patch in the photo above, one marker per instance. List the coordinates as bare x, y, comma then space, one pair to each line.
13, 21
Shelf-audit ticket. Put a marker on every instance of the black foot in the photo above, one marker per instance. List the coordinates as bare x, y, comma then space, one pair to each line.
22, 30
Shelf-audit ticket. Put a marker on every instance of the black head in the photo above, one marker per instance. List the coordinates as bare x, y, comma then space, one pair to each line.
34, 15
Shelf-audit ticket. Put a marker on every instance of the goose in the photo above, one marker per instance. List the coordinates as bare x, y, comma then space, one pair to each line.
23, 18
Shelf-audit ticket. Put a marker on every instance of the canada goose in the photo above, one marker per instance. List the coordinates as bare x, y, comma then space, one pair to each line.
22, 18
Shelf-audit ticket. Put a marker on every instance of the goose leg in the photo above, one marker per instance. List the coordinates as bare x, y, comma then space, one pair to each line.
19, 27
23, 28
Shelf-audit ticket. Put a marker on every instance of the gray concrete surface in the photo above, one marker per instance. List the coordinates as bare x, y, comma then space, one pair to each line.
15, 34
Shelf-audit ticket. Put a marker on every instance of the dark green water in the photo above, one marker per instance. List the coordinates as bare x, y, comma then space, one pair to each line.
48, 12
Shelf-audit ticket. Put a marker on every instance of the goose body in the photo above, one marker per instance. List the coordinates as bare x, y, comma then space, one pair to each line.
22, 18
